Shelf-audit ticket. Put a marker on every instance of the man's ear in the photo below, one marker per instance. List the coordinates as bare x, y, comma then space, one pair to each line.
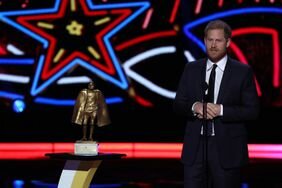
228, 42
205, 39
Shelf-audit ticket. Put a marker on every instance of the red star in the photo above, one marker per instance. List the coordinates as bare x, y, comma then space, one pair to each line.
65, 46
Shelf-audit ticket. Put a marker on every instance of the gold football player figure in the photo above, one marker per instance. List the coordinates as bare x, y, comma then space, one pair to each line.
90, 109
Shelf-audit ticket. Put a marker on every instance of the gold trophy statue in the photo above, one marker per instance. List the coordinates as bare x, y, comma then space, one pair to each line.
90, 110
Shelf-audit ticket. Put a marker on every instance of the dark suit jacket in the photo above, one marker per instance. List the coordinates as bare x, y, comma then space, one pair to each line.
240, 102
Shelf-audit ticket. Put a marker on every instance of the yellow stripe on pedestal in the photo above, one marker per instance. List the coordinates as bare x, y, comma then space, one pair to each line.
78, 174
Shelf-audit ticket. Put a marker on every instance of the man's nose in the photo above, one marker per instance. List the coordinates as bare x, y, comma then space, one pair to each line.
213, 44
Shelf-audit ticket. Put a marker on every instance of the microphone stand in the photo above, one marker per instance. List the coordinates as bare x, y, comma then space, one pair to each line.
205, 136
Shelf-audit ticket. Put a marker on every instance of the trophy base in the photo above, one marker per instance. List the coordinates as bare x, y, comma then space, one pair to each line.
86, 148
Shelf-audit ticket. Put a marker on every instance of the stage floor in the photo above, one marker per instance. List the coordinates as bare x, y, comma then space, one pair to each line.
129, 173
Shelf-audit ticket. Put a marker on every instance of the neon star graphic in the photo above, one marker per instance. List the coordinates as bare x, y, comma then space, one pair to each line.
68, 41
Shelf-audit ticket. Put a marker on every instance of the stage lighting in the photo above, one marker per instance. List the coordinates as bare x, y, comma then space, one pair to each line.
18, 106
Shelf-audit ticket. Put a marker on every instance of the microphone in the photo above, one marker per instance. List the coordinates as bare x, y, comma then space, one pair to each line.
205, 87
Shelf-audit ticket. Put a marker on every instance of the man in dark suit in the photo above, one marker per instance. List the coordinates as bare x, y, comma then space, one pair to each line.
215, 141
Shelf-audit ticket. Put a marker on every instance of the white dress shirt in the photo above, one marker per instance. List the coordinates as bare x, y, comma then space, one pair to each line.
219, 73
218, 77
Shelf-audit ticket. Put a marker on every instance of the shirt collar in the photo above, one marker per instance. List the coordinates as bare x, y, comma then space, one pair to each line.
220, 64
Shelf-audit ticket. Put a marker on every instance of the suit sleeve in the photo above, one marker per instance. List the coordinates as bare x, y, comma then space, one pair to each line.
182, 104
248, 106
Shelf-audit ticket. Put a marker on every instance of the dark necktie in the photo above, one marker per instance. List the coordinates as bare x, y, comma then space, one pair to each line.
211, 95
211, 84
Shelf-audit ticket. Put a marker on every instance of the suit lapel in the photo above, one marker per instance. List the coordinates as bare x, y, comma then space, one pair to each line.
224, 82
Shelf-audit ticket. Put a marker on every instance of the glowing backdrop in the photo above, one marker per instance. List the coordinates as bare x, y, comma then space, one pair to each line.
135, 52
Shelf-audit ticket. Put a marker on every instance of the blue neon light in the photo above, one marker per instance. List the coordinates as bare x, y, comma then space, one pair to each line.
189, 26
55, 102
60, 102
18, 184
18, 106
14, 61
114, 100
9, 95
4, 16
35, 89
121, 81
245, 185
